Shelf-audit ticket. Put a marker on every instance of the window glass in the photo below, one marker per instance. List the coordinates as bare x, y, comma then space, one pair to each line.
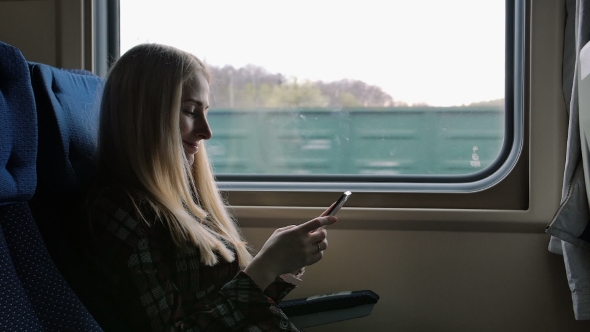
373, 87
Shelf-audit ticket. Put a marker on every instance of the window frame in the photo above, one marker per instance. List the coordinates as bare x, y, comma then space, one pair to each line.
473, 182
523, 200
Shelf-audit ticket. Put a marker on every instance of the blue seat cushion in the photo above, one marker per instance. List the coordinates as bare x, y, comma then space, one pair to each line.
54, 305
34, 295
18, 128
67, 109
16, 311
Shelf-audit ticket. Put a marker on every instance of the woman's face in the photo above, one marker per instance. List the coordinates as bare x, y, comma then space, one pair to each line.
193, 115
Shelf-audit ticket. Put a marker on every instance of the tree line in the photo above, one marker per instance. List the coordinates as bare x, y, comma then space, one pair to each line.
254, 87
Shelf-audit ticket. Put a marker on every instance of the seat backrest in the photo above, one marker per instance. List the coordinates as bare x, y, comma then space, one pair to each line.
34, 296
67, 112
67, 103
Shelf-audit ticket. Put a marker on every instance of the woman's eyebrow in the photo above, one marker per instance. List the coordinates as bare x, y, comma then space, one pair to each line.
198, 102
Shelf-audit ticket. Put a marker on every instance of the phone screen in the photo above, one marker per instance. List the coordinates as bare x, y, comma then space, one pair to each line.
339, 203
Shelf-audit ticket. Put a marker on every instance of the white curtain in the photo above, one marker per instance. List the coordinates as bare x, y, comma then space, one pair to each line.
570, 228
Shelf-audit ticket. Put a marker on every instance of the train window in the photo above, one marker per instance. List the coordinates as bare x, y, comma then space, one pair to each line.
372, 95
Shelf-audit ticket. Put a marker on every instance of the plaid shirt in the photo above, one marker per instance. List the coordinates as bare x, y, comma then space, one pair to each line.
158, 286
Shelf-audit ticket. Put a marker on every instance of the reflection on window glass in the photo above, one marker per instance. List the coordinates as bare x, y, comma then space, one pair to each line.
341, 87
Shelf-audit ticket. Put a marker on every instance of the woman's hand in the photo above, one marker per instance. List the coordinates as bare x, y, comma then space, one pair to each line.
298, 273
290, 248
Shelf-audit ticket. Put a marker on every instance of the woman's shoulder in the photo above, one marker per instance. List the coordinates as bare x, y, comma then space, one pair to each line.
114, 205
115, 195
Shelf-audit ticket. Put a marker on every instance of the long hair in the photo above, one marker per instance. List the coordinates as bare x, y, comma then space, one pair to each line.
140, 148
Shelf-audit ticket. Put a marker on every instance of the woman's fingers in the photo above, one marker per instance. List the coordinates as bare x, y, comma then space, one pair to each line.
317, 252
292, 247
318, 235
282, 229
316, 223
328, 209
320, 246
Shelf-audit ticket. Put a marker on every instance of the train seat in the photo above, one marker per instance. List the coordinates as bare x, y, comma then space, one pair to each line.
34, 296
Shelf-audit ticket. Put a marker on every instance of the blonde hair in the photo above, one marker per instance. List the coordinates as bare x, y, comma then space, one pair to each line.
140, 148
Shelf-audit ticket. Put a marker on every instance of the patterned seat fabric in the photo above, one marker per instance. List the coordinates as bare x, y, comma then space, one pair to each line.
34, 295
16, 310
55, 305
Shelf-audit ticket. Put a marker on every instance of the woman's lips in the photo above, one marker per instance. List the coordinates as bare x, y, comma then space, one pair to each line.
190, 147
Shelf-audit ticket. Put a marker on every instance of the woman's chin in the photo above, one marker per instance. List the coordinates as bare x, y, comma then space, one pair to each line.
190, 158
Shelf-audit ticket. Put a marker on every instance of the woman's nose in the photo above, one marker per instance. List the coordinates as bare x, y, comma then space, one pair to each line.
202, 129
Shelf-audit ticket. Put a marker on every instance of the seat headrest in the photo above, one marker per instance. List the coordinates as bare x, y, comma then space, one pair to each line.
68, 105
18, 128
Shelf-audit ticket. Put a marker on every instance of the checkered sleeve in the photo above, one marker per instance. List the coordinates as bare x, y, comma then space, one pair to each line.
157, 297
240, 305
278, 289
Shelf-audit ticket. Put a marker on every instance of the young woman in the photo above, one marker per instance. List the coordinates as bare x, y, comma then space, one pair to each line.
169, 254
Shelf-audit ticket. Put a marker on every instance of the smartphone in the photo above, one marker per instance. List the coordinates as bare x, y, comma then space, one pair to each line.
339, 203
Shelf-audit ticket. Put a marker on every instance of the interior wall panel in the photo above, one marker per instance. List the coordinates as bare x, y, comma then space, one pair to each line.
443, 281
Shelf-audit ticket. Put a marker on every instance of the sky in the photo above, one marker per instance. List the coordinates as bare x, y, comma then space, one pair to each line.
438, 52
